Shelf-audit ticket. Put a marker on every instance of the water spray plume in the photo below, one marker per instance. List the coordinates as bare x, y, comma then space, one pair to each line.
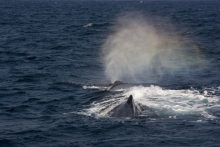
138, 52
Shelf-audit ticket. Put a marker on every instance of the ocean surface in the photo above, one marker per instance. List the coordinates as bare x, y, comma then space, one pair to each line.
58, 59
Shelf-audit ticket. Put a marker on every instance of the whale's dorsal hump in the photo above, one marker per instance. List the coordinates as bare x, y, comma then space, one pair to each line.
118, 82
130, 101
126, 109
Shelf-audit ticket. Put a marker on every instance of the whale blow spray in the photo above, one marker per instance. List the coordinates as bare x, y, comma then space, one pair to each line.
138, 51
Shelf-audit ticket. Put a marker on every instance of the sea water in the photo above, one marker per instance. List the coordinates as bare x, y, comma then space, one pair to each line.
59, 57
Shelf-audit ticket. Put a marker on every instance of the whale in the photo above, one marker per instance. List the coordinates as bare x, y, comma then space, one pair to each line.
128, 109
120, 85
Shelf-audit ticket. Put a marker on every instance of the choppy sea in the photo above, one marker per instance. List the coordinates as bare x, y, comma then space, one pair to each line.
58, 59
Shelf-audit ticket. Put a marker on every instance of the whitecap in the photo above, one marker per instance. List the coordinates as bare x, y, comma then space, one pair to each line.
88, 25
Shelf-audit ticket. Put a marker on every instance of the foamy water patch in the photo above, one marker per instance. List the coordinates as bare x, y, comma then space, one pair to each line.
166, 103
178, 102
102, 107
96, 87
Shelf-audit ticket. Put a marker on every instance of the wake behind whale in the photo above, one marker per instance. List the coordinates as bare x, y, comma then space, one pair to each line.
135, 101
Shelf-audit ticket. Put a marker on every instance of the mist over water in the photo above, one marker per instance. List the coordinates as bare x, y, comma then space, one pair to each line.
140, 50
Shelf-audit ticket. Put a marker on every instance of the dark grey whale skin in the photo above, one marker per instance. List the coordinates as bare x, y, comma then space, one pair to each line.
127, 109
120, 85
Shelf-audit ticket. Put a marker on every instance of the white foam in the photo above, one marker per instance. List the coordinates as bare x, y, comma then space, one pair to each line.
170, 103
96, 87
178, 101
88, 25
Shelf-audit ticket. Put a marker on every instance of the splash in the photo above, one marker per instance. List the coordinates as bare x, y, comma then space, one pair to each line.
140, 51
177, 103
159, 103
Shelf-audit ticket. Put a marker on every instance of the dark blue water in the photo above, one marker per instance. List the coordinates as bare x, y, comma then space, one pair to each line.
55, 72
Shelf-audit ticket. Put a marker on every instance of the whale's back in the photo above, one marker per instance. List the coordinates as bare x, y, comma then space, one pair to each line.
126, 109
